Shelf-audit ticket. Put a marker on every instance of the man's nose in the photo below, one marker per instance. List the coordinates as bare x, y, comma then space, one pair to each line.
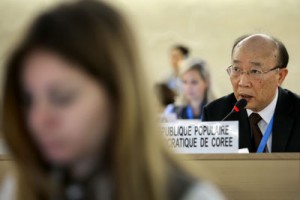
244, 80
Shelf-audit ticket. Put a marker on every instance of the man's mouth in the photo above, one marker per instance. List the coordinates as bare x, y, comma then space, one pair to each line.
246, 97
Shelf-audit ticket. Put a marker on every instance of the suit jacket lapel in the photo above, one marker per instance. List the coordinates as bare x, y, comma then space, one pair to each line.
283, 123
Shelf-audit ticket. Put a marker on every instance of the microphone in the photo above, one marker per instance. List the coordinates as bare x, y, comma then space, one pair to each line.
241, 104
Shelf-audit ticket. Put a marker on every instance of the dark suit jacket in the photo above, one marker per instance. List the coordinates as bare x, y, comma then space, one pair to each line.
286, 127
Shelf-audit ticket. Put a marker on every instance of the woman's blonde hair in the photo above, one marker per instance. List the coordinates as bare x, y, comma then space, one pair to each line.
97, 37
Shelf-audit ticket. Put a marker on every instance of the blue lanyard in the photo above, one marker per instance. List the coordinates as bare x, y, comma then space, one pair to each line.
189, 113
266, 136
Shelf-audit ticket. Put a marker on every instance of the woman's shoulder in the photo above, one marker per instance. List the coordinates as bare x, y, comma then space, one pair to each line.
173, 108
203, 190
185, 186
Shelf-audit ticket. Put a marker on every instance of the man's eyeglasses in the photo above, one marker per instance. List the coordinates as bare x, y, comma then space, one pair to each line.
256, 74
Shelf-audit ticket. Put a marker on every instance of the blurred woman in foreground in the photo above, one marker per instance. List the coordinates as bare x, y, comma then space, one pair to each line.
78, 120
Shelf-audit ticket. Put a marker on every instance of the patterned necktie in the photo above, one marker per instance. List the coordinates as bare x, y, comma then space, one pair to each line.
254, 118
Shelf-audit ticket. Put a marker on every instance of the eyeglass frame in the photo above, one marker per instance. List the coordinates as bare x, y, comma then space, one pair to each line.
248, 71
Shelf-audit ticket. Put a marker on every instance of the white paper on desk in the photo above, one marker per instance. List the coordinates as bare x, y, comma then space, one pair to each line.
244, 150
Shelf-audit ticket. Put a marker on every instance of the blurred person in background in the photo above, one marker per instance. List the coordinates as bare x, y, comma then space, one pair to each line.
164, 95
77, 119
178, 54
195, 79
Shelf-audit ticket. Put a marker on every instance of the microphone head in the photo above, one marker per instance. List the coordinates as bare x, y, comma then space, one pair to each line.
241, 104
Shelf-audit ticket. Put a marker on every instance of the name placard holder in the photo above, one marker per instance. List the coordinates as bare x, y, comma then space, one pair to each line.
193, 136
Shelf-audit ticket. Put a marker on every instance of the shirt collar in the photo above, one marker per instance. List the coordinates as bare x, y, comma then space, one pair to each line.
268, 112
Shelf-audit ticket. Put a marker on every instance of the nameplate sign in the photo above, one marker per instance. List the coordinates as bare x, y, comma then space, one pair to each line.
193, 136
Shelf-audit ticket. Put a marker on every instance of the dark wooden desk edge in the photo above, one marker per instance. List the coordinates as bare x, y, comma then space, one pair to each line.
252, 156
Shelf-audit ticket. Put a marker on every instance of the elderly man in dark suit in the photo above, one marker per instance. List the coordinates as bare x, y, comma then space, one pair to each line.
271, 120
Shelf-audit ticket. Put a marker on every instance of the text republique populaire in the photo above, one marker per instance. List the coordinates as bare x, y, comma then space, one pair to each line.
188, 136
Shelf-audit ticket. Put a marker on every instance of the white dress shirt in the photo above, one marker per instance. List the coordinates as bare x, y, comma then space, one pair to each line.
266, 115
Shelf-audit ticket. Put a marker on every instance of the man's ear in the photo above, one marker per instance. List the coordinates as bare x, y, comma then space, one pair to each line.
282, 74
